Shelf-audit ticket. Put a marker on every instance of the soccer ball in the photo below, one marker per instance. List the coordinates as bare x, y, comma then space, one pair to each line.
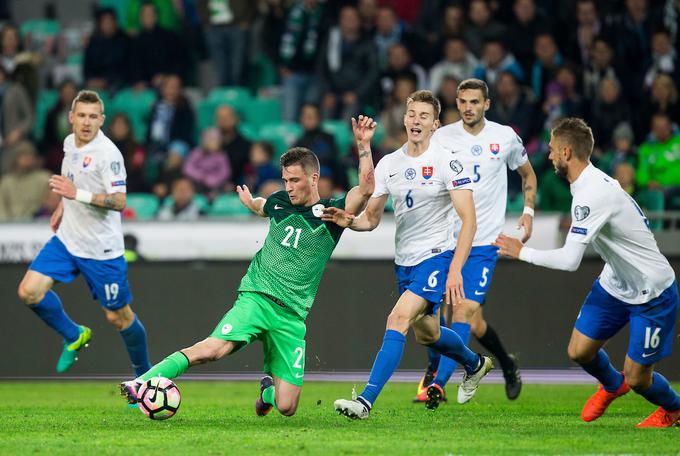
158, 398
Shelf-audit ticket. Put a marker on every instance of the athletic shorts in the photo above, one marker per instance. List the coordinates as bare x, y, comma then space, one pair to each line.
257, 317
426, 279
477, 272
107, 279
651, 324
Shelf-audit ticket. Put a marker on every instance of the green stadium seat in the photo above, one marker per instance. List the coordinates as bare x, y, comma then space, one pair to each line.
206, 111
144, 205
389, 205
137, 106
238, 97
282, 135
263, 111
249, 131
227, 205
40, 28
46, 101
342, 132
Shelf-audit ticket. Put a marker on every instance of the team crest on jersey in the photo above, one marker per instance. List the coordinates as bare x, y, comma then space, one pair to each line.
86, 161
581, 212
410, 173
115, 167
317, 210
456, 166
476, 150
495, 148
428, 171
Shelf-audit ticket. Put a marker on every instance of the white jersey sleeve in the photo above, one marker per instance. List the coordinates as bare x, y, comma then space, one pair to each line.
381, 170
457, 174
518, 153
589, 213
113, 172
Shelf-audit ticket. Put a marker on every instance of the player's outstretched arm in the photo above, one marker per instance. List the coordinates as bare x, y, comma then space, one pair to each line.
366, 221
464, 205
254, 204
567, 258
61, 185
529, 186
363, 129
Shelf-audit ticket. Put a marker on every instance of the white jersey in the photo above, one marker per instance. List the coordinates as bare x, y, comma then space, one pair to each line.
424, 213
604, 215
88, 231
486, 156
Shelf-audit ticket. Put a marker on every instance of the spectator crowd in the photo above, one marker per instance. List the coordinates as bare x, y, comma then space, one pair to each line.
204, 95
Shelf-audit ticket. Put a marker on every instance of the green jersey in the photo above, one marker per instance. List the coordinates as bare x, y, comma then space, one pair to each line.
659, 163
289, 265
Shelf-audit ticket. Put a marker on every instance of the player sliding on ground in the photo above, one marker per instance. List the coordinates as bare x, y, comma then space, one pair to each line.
88, 239
278, 290
426, 186
636, 286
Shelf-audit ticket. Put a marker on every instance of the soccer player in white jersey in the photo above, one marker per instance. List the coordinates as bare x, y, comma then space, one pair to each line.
88, 239
486, 149
636, 286
427, 192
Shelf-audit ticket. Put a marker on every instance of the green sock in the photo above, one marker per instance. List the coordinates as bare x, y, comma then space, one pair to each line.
269, 396
171, 367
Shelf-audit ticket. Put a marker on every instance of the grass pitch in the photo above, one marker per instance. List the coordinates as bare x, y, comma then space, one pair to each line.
82, 418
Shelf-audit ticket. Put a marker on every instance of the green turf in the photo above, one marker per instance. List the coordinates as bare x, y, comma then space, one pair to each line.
78, 418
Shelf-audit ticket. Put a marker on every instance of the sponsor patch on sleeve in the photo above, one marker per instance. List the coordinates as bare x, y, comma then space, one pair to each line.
120, 183
459, 182
579, 230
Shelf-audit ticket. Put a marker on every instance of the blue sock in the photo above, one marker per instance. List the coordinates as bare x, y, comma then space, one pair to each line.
602, 369
134, 337
385, 364
52, 313
661, 394
447, 366
433, 356
451, 345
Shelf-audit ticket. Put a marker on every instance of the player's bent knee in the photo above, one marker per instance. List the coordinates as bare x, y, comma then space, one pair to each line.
426, 338
29, 295
287, 409
398, 321
579, 356
638, 381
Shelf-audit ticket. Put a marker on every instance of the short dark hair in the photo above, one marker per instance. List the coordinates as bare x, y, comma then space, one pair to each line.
88, 97
474, 84
426, 96
303, 157
577, 134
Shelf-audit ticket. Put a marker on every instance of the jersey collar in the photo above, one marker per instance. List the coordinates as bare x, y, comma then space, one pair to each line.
580, 181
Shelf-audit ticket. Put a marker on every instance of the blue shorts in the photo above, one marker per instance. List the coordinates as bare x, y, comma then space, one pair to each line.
426, 279
651, 324
107, 279
477, 272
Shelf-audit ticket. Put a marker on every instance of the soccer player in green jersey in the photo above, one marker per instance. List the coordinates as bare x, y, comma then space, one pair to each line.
279, 288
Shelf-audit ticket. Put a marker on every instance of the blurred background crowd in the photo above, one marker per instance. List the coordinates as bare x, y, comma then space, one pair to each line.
203, 95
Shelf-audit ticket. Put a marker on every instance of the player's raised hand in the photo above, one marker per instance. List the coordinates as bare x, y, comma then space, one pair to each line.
508, 246
62, 185
244, 195
338, 216
364, 128
526, 222
455, 292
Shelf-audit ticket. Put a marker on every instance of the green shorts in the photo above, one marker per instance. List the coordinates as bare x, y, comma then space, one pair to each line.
282, 332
